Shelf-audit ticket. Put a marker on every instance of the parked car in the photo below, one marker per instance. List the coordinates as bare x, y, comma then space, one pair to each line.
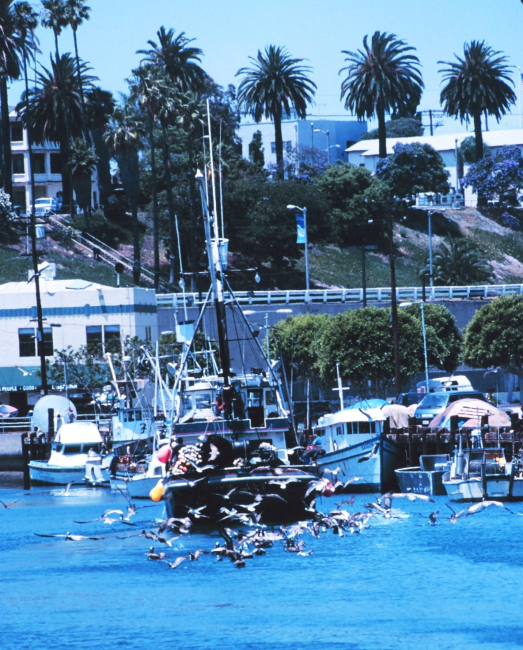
434, 403
45, 207
412, 397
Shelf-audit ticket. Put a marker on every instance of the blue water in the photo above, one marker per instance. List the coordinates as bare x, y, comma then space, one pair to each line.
400, 584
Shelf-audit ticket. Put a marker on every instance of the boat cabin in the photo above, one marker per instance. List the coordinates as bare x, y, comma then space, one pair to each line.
344, 428
73, 442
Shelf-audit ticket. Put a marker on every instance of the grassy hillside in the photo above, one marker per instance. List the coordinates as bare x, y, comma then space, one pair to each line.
330, 266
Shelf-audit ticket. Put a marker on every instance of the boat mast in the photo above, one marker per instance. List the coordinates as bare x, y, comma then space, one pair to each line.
216, 273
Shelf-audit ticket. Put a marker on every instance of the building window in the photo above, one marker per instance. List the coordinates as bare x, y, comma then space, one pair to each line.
39, 163
27, 339
17, 132
148, 333
18, 164
287, 146
103, 339
56, 165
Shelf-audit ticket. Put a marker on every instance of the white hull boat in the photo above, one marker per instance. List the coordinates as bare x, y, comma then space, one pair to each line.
69, 453
354, 441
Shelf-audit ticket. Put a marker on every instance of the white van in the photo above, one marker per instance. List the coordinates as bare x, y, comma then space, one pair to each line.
452, 384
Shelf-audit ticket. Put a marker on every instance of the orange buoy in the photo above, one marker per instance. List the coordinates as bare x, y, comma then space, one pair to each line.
328, 489
156, 493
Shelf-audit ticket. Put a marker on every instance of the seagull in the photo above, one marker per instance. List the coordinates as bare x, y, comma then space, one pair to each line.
197, 512
456, 515
372, 454
69, 537
25, 372
478, 507
411, 496
9, 505
66, 491
177, 562
194, 556
334, 472
152, 555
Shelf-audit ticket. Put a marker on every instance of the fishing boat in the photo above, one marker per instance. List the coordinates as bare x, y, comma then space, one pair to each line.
477, 474
427, 477
70, 449
355, 441
232, 430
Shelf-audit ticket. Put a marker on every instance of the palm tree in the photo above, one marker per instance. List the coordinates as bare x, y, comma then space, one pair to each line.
178, 60
76, 12
143, 89
458, 262
10, 57
275, 83
124, 138
55, 17
475, 84
82, 161
53, 109
382, 78
26, 21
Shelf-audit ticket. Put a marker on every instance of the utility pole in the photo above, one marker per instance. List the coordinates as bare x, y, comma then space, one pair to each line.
394, 304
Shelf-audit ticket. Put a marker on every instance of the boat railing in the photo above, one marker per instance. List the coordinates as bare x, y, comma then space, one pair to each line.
380, 294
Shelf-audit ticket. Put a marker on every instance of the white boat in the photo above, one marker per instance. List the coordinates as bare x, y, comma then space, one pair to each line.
427, 477
69, 452
354, 441
477, 474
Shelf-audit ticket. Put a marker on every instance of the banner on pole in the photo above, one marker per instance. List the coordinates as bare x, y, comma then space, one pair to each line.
300, 225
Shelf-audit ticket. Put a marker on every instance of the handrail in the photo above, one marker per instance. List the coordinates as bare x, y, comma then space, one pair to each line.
381, 294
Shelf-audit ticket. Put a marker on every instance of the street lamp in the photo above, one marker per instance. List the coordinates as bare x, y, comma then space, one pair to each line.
422, 310
333, 146
306, 242
327, 133
430, 213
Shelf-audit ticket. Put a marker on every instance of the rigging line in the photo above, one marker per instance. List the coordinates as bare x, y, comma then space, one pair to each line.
242, 358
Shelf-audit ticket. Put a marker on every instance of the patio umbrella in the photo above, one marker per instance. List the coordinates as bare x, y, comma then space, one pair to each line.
7, 411
398, 415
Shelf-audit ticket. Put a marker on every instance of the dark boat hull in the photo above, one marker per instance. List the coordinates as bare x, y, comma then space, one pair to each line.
282, 497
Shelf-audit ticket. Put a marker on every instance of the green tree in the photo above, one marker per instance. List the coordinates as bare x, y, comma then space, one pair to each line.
478, 83
360, 342
52, 110
99, 107
55, 17
275, 83
458, 262
353, 197
12, 49
299, 338
7, 218
256, 152
467, 148
123, 136
382, 78
401, 127
82, 161
413, 169
494, 337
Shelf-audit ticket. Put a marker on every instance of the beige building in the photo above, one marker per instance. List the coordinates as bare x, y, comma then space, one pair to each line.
75, 313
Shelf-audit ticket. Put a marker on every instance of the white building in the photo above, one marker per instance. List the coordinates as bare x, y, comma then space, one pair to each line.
75, 313
332, 134
365, 152
47, 168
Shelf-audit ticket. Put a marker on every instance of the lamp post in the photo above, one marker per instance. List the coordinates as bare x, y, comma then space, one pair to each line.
306, 242
431, 276
327, 133
333, 146
424, 333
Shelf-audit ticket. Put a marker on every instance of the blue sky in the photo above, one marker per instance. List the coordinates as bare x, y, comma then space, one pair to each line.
229, 31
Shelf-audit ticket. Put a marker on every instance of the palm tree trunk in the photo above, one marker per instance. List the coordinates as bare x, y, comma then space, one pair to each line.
56, 44
6, 139
478, 135
80, 86
155, 209
137, 269
382, 133
170, 203
279, 143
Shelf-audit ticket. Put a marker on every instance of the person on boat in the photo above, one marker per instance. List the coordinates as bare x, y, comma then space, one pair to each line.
219, 405
313, 450
238, 405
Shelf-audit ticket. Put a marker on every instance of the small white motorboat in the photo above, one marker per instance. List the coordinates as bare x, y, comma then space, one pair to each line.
69, 452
